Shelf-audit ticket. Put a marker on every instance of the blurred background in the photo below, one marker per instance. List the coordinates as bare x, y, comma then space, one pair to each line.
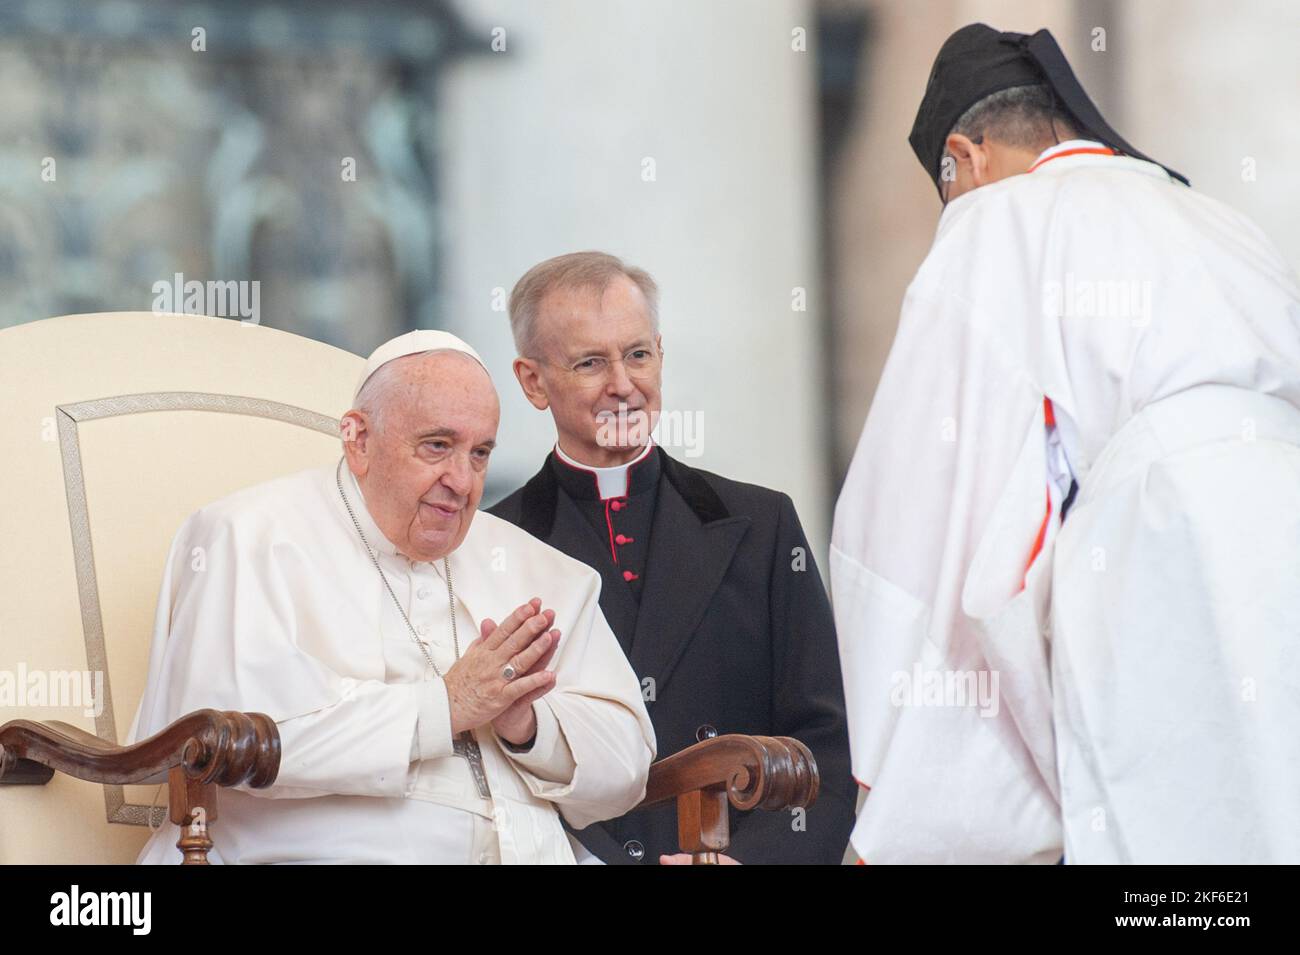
382, 166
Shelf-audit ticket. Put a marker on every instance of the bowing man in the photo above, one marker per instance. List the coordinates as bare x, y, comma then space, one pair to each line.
1078, 487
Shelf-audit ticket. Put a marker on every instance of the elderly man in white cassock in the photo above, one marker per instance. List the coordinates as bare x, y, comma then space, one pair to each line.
1066, 559
357, 606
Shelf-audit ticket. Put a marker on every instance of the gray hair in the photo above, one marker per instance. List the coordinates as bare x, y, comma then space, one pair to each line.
1027, 117
577, 270
376, 395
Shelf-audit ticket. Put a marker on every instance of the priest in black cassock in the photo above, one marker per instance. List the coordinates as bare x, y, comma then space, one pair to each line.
709, 584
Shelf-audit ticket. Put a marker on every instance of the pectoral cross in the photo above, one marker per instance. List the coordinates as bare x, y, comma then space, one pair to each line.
466, 746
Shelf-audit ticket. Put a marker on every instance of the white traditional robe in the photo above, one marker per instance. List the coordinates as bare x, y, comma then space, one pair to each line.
270, 604
1148, 663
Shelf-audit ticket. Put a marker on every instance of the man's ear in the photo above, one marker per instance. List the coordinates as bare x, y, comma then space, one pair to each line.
356, 430
971, 156
530, 380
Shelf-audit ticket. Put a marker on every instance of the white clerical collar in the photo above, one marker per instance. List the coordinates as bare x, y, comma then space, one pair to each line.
1072, 146
374, 536
1088, 152
610, 482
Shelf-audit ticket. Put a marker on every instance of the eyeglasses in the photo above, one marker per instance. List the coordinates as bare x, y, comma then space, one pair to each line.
640, 364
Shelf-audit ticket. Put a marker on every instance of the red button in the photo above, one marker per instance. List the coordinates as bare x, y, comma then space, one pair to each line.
617, 505
629, 576
621, 539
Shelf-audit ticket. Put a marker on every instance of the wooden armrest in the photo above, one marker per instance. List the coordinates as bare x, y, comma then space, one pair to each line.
749, 772
195, 755
209, 749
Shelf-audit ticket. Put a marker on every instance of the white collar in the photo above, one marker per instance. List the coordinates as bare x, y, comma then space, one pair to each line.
1074, 153
612, 481
1068, 146
1060, 163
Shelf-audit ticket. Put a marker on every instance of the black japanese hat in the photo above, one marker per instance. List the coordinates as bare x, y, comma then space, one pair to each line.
978, 61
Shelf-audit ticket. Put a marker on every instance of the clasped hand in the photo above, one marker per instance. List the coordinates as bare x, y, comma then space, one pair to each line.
478, 692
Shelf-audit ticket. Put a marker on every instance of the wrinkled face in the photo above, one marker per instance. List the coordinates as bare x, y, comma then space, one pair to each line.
422, 469
599, 370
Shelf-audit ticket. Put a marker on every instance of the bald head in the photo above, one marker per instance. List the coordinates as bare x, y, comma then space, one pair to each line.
418, 442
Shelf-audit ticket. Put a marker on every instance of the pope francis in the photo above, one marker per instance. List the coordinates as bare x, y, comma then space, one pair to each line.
355, 604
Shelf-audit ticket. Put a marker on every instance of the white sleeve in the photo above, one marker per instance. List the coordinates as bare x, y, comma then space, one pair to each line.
549, 759
950, 458
433, 727
367, 744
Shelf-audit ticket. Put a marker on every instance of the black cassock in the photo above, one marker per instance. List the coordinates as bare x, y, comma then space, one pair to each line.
713, 593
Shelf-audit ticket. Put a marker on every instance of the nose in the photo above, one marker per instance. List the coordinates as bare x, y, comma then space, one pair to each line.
459, 476
619, 384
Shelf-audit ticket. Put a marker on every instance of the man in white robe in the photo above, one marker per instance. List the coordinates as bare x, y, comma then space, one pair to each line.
1066, 559
303, 598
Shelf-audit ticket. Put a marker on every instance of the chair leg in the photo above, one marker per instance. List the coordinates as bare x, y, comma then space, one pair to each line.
703, 826
192, 805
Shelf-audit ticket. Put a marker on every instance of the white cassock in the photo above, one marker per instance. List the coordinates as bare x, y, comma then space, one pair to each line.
270, 603
1148, 664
